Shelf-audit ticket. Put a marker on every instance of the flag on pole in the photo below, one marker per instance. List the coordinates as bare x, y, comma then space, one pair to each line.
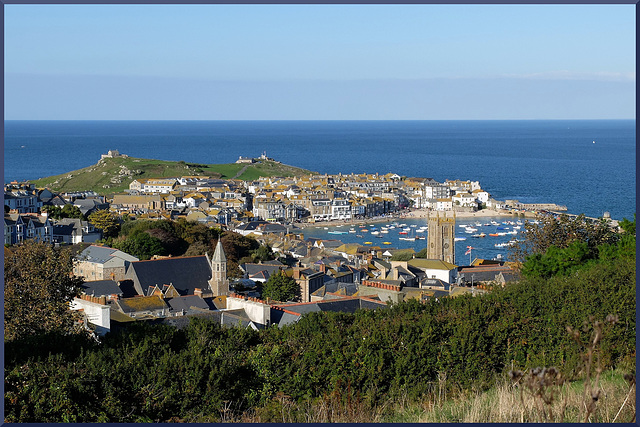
468, 250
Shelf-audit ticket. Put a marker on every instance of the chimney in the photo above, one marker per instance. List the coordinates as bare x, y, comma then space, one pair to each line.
323, 268
296, 273
197, 292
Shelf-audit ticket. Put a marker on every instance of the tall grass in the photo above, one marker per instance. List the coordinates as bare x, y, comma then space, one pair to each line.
506, 404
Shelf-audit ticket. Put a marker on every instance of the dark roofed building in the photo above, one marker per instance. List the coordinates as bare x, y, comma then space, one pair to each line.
187, 305
102, 288
186, 274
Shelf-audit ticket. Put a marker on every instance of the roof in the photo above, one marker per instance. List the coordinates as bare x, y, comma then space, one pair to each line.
98, 288
218, 255
431, 264
184, 273
135, 304
187, 303
102, 254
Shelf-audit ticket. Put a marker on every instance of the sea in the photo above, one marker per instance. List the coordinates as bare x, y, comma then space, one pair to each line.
587, 165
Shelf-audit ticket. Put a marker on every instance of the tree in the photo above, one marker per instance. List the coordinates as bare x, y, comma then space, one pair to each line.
140, 245
38, 286
561, 232
557, 261
280, 287
402, 256
67, 211
263, 253
106, 221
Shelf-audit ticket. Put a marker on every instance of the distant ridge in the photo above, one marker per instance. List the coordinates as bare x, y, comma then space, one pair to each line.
113, 174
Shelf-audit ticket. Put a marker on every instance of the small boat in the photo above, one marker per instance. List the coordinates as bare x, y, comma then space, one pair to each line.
402, 232
493, 234
352, 230
479, 235
409, 239
358, 235
386, 243
337, 232
326, 228
375, 233
420, 238
457, 239
367, 243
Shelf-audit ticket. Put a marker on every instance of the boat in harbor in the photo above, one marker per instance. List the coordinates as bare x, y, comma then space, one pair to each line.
479, 235
386, 243
458, 239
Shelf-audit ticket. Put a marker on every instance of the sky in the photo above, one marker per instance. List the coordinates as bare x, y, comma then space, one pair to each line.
319, 62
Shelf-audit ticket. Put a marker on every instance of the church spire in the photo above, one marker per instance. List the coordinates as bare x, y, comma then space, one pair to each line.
218, 255
219, 283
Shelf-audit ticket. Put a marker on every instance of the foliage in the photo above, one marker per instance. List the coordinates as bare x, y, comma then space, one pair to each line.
280, 287
106, 221
556, 261
38, 287
402, 256
263, 253
67, 211
236, 246
335, 361
140, 245
561, 232
422, 253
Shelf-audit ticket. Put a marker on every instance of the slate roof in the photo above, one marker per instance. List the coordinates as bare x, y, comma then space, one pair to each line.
99, 288
187, 303
218, 255
102, 254
484, 273
253, 269
185, 273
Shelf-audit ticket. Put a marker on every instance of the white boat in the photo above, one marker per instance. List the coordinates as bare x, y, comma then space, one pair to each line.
375, 233
409, 239
457, 239
352, 230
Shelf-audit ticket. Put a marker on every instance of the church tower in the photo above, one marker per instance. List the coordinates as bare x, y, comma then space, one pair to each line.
440, 237
219, 283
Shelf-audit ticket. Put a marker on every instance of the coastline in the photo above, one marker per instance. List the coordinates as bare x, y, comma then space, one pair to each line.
412, 214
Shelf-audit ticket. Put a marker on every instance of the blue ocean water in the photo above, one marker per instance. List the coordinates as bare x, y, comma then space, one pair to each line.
554, 161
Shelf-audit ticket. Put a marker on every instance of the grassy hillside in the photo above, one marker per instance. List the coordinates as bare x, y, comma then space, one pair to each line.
113, 175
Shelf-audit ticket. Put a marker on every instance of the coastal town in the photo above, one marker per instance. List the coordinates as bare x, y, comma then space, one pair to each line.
331, 275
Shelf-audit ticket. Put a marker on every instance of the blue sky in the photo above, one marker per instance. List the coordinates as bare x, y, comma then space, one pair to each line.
289, 62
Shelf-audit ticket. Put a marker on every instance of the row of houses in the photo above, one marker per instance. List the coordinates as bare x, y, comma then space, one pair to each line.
309, 198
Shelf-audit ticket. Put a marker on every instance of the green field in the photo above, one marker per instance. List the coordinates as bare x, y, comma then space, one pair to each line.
113, 175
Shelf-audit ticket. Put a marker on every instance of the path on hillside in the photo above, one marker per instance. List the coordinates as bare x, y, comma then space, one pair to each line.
241, 171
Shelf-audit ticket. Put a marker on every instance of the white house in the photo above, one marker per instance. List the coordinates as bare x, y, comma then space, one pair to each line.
444, 204
436, 269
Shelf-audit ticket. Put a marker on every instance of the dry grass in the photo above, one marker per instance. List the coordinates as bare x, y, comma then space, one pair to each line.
506, 404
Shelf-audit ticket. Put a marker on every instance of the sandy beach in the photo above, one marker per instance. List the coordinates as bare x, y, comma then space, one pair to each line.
415, 213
